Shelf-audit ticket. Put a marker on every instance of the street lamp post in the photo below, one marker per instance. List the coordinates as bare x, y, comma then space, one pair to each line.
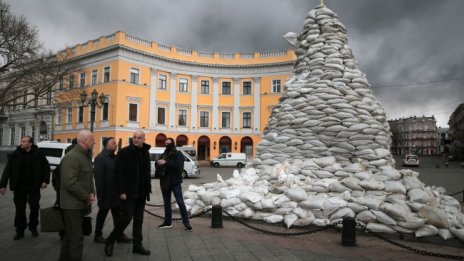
93, 101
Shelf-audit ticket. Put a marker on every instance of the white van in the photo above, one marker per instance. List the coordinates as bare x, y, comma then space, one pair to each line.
190, 150
54, 151
191, 167
229, 159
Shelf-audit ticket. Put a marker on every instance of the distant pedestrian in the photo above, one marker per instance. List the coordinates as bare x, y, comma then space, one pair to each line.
77, 193
133, 185
28, 171
106, 193
173, 162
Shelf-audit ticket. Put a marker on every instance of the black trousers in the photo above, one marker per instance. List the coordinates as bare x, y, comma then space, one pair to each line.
101, 216
72, 246
131, 209
24, 194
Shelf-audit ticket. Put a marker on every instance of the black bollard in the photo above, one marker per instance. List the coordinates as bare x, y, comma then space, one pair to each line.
216, 217
349, 231
446, 165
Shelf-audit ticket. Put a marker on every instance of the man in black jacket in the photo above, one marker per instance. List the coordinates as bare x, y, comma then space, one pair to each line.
27, 171
133, 185
106, 194
173, 161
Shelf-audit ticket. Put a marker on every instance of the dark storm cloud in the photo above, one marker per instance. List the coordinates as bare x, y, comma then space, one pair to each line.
396, 42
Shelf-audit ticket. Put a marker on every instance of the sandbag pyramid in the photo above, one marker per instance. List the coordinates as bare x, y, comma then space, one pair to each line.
325, 153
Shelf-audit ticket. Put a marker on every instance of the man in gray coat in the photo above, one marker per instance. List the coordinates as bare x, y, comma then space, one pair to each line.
106, 194
77, 194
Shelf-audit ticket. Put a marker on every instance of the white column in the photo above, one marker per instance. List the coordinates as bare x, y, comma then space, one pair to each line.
215, 103
257, 105
172, 101
194, 112
236, 126
152, 113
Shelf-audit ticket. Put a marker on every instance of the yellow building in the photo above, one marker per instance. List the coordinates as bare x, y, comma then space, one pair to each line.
216, 102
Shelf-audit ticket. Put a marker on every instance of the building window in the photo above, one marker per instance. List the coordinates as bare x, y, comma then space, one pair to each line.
94, 77
133, 111
105, 111
12, 137
204, 119
69, 115
49, 96
134, 75
82, 82
80, 114
60, 83
226, 120
204, 87
23, 131
183, 85
246, 88
247, 120
162, 82
182, 117
24, 99
58, 116
226, 90
161, 116
1, 136
106, 74
276, 86
71, 82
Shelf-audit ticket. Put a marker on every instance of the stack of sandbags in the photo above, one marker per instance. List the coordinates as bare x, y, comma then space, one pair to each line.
325, 153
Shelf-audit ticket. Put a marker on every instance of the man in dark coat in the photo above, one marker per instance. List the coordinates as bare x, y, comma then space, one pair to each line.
106, 195
133, 185
173, 161
28, 171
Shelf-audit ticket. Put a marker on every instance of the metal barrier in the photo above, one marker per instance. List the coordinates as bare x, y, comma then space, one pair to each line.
459, 192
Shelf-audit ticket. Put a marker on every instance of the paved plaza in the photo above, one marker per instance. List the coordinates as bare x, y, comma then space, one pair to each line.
233, 242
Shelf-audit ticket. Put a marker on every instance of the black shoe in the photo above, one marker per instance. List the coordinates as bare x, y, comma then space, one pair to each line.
165, 225
34, 233
18, 235
140, 250
61, 235
109, 244
124, 239
99, 239
188, 227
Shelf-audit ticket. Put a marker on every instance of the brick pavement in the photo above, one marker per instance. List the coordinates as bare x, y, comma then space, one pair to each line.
233, 242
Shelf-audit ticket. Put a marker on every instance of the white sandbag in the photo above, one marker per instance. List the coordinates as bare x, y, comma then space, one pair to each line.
445, 234
252, 197
356, 207
230, 202
363, 175
412, 182
301, 213
207, 196
352, 183
274, 218
380, 228
372, 184
395, 187
280, 200
426, 231
337, 186
402, 229
230, 193
457, 232
306, 221
398, 212
341, 213
449, 201
216, 201
333, 204
383, 218
321, 222
194, 188
324, 161
420, 195
313, 202
196, 210
290, 219
434, 216
382, 152
296, 194
323, 174
412, 223
372, 202
268, 203
190, 194
366, 216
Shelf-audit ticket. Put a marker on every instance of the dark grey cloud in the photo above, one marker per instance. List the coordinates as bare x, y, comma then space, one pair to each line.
398, 43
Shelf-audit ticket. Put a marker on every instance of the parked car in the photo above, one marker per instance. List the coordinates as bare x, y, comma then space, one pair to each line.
191, 167
411, 160
54, 151
229, 159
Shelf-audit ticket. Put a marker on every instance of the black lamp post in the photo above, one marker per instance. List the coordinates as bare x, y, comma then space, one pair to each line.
93, 101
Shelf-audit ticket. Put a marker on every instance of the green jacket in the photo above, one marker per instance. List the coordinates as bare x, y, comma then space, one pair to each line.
76, 179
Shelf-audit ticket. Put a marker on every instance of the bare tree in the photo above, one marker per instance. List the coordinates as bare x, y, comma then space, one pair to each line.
26, 69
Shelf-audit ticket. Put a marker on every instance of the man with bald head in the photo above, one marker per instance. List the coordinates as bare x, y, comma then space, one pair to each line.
77, 193
133, 185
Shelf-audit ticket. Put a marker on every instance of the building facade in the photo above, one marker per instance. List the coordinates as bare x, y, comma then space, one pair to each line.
414, 135
456, 131
216, 102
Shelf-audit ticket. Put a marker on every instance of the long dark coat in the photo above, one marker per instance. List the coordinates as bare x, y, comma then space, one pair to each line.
126, 166
103, 172
173, 170
40, 168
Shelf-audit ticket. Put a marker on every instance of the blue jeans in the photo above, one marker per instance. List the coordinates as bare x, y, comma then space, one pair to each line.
177, 191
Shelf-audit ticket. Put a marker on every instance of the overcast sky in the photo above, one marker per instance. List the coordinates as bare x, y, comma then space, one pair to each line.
411, 50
